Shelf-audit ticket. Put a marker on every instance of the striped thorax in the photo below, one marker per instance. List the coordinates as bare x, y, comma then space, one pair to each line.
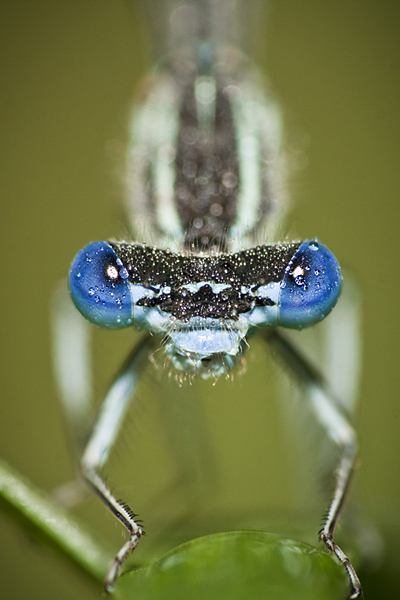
205, 169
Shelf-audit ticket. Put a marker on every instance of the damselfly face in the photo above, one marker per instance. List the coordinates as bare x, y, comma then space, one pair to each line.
205, 305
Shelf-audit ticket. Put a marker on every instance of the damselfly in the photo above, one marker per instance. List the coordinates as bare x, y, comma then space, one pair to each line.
205, 190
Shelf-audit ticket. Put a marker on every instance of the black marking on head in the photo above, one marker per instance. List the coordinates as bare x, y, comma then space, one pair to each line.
249, 269
184, 304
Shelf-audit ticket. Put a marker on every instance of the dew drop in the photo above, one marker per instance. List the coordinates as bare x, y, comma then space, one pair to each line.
216, 210
229, 180
299, 280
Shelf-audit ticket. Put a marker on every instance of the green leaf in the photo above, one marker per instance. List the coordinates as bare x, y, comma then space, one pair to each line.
237, 565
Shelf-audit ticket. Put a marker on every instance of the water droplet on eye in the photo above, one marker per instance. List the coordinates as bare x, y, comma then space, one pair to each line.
91, 291
97, 299
299, 280
79, 275
313, 246
124, 273
317, 272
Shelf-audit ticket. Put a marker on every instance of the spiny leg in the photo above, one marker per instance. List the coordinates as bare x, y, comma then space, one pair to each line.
335, 420
102, 437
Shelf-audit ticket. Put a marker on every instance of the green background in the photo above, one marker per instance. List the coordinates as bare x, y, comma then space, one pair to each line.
68, 71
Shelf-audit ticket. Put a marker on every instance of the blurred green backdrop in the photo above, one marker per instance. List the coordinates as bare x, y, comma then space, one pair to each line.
68, 71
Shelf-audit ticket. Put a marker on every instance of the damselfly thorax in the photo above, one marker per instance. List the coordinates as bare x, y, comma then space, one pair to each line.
205, 170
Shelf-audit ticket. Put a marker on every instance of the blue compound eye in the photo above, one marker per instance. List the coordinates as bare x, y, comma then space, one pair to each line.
99, 287
310, 287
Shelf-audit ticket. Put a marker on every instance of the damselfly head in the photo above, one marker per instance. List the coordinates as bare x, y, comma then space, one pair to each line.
204, 306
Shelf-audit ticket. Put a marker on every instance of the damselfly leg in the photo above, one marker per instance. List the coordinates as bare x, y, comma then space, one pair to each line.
335, 420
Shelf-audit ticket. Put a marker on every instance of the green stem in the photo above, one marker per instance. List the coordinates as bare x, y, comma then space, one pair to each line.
40, 516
